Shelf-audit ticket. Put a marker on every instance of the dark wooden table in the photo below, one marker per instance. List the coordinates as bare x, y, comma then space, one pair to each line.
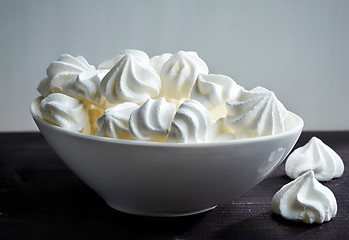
40, 198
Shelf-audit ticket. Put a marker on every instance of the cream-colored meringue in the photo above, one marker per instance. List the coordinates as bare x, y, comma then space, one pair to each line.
305, 199
110, 63
179, 73
317, 156
114, 122
159, 60
219, 131
152, 120
213, 90
131, 80
190, 124
86, 86
255, 113
64, 111
60, 72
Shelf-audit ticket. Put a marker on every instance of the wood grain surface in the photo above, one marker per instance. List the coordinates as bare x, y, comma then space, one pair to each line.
40, 198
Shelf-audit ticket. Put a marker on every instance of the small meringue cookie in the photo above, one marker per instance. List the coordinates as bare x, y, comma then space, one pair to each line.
317, 156
109, 64
130, 80
114, 122
159, 60
255, 113
305, 199
64, 111
213, 90
190, 123
151, 122
179, 73
219, 131
60, 72
86, 86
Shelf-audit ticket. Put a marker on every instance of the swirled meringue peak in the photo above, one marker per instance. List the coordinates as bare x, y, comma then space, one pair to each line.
179, 73
316, 156
151, 122
64, 111
86, 86
131, 80
190, 123
255, 113
142, 56
114, 122
60, 72
305, 199
213, 90
159, 60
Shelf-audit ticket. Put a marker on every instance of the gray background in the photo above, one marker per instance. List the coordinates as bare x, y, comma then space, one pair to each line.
299, 49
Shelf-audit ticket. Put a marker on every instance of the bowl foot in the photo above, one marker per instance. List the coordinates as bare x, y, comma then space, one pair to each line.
159, 214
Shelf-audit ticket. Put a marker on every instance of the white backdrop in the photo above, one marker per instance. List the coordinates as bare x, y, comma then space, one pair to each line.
299, 49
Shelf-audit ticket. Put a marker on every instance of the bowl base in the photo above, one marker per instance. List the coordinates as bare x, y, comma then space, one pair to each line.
162, 214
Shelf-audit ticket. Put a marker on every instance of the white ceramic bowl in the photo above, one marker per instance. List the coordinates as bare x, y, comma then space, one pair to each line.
169, 179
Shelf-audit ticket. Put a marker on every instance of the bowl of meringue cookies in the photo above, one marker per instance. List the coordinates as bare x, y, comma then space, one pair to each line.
161, 136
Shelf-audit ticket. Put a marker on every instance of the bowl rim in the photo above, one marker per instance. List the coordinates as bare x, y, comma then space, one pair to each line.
294, 130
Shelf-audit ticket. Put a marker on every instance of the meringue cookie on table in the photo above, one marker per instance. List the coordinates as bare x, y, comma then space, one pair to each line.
190, 123
60, 72
114, 122
213, 90
64, 111
152, 120
130, 80
108, 64
179, 73
317, 156
159, 60
255, 113
305, 199
86, 86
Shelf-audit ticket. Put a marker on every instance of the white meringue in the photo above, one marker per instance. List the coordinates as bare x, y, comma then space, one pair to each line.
179, 73
159, 60
255, 113
64, 111
213, 90
142, 56
190, 123
305, 199
219, 131
114, 122
131, 80
317, 156
152, 120
86, 86
60, 72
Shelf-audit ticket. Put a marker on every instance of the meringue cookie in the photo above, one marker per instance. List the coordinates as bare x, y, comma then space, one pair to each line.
86, 86
317, 156
131, 80
305, 199
142, 56
190, 124
114, 122
60, 72
213, 90
179, 73
219, 131
152, 120
255, 113
158, 61
64, 111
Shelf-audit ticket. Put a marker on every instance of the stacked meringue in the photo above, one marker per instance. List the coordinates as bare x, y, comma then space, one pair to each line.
166, 98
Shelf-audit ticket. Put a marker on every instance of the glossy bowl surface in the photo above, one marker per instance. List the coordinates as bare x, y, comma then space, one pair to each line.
169, 179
